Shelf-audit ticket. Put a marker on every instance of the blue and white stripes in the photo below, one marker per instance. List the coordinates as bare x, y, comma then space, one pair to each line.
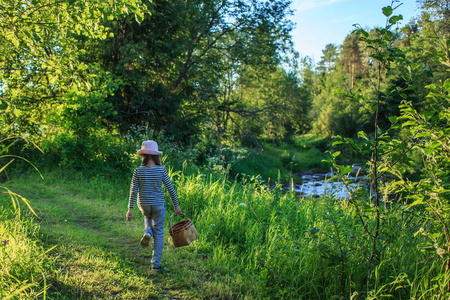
146, 186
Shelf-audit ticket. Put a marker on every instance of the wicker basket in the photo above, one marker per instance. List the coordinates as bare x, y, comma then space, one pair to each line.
182, 233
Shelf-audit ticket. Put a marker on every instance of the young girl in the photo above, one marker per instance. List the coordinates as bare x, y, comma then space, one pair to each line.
146, 186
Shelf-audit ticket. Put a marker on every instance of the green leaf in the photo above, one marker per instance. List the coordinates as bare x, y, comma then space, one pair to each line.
423, 134
350, 141
430, 151
12, 38
139, 16
405, 28
363, 135
20, 290
36, 37
346, 170
337, 91
379, 131
409, 123
392, 119
82, 67
335, 154
441, 173
417, 202
395, 19
17, 112
388, 35
377, 56
387, 11
362, 31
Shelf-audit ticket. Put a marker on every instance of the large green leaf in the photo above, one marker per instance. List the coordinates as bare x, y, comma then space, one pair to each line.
387, 11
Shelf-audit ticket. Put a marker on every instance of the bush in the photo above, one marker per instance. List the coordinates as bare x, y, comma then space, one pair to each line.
95, 154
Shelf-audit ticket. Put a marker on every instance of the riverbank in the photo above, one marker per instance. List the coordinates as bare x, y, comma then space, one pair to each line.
283, 161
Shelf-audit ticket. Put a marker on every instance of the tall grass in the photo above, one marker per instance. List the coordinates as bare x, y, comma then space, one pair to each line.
303, 248
255, 243
24, 262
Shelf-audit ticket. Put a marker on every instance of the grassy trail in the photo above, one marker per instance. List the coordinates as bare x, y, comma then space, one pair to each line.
98, 255
254, 243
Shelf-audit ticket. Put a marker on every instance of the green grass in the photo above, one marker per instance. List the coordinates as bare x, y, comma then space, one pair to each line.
94, 256
282, 161
22, 257
254, 243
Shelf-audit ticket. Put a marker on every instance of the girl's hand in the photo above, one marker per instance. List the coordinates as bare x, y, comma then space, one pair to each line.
129, 214
177, 210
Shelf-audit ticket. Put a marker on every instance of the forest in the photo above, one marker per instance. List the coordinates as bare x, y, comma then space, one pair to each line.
240, 117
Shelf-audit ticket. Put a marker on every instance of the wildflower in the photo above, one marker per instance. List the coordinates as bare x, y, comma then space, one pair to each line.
243, 204
5, 242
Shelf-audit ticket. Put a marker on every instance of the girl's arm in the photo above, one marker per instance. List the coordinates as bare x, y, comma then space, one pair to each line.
172, 193
134, 188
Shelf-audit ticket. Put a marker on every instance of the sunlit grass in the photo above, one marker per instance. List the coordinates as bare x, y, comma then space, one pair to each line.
254, 243
282, 161
24, 263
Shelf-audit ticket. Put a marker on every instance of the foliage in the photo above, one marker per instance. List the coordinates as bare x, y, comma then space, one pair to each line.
176, 70
430, 194
40, 58
388, 159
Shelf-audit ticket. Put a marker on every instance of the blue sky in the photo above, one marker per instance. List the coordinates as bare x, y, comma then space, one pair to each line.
321, 22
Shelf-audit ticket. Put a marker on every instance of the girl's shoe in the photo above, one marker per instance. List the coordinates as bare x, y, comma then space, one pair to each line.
145, 241
156, 268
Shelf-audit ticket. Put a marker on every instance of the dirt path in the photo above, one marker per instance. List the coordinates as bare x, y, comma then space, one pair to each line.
98, 255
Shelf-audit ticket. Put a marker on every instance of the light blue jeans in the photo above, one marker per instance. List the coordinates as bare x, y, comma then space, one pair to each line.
154, 216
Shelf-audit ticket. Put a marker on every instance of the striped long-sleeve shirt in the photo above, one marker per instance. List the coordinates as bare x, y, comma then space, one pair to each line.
146, 186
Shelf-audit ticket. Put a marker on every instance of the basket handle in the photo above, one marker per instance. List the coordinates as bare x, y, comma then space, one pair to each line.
170, 221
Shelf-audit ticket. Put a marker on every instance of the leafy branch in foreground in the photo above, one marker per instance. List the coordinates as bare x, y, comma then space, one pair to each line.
431, 193
379, 43
425, 132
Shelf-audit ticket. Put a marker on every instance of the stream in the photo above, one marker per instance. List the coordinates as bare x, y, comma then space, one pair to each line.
318, 185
